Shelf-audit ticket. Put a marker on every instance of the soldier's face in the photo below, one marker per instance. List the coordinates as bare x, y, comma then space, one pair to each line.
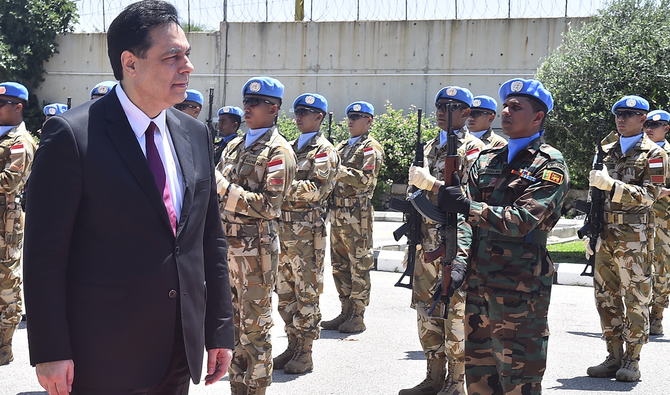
307, 119
10, 112
259, 111
656, 130
629, 122
458, 116
359, 123
519, 119
227, 126
480, 120
188, 107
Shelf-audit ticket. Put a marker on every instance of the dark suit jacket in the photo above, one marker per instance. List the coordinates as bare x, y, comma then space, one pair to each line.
101, 259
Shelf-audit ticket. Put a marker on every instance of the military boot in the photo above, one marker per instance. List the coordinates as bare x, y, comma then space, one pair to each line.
455, 380
354, 324
335, 323
238, 388
434, 379
630, 369
656, 321
256, 390
612, 363
282, 359
302, 359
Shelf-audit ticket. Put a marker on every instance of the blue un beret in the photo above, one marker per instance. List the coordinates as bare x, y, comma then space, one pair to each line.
194, 96
484, 102
361, 106
529, 88
14, 89
631, 102
231, 110
658, 115
264, 86
55, 109
313, 100
455, 93
102, 88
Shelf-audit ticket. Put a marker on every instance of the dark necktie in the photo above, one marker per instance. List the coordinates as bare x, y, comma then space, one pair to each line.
156, 166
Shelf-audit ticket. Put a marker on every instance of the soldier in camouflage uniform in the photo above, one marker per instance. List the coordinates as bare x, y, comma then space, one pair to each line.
302, 233
17, 149
514, 198
634, 174
442, 340
481, 117
361, 158
257, 170
230, 119
656, 127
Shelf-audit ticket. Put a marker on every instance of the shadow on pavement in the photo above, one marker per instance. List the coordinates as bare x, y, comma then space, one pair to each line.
413, 356
596, 335
585, 383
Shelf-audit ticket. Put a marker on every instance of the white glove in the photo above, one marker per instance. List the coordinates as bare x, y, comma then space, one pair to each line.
421, 178
587, 243
601, 179
221, 183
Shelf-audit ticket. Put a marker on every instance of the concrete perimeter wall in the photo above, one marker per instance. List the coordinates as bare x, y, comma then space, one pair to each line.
405, 62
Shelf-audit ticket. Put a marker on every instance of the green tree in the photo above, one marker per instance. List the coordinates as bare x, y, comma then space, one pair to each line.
623, 50
28, 30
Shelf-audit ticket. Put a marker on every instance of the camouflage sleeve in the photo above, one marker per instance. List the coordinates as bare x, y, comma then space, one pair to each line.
654, 177
17, 165
536, 202
373, 157
278, 176
464, 241
326, 162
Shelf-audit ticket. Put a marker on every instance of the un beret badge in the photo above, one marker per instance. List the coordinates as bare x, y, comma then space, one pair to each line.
476, 103
631, 102
516, 86
656, 117
52, 111
255, 86
357, 107
452, 91
103, 89
310, 100
226, 109
2, 90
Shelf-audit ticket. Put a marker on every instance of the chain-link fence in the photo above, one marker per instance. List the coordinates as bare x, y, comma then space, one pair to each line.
96, 15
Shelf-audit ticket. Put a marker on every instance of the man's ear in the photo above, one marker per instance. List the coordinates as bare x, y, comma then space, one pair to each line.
466, 112
128, 63
539, 116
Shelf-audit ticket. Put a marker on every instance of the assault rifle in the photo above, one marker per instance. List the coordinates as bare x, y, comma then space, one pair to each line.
412, 226
595, 211
448, 228
209, 122
330, 128
69, 102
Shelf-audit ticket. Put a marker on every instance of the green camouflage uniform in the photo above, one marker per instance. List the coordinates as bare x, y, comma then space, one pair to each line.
260, 177
623, 263
17, 150
661, 208
493, 140
441, 338
352, 216
508, 285
303, 237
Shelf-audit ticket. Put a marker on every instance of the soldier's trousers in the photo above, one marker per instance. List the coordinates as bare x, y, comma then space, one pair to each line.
661, 289
351, 252
300, 277
253, 269
623, 282
506, 342
11, 240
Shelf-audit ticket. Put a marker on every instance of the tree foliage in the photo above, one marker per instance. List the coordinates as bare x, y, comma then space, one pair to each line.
623, 50
28, 30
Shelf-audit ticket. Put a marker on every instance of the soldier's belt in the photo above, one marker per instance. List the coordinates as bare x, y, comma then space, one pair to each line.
240, 230
300, 216
351, 202
626, 218
538, 237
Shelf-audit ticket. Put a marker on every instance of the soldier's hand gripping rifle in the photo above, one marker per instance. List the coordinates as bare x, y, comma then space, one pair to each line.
209, 122
448, 228
595, 211
330, 128
412, 226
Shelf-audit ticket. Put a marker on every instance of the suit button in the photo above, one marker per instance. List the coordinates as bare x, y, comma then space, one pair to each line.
176, 250
172, 294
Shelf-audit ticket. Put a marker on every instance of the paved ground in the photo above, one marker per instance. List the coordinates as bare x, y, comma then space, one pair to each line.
388, 357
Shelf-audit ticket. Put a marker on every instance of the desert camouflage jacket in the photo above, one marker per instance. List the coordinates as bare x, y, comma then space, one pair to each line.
359, 167
662, 206
17, 150
493, 140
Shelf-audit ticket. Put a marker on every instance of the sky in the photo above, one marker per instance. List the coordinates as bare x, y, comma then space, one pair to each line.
96, 15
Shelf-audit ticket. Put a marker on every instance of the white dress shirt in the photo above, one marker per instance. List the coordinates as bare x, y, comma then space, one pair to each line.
139, 121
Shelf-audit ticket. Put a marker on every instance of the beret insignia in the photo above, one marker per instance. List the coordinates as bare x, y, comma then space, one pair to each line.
631, 102
357, 107
476, 103
656, 117
103, 89
309, 99
52, 111
255, 86
226, 109
516, 86
452, 91
2, 90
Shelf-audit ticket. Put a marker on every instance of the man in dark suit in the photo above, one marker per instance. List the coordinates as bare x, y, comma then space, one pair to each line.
126, 278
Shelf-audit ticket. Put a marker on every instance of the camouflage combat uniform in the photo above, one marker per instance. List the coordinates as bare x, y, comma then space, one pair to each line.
17, 150
352, 216
303, 237
259, 176
492, 139
661, 288
623, 263
441, 339
508, 284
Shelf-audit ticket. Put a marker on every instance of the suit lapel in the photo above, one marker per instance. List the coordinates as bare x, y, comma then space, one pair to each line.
182, 146
119, 131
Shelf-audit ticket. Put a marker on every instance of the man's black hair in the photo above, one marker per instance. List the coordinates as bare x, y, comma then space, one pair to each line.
130, 30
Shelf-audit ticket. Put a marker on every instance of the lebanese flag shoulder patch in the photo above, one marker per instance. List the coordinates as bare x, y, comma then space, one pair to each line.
655, 163
472, 154
17, 149
276, 165
368, 151
321, 157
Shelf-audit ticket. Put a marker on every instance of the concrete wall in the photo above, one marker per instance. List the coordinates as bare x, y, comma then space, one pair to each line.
406, 62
